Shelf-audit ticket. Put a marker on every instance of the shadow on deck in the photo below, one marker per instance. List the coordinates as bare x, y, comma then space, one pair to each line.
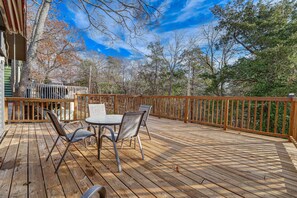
181, 160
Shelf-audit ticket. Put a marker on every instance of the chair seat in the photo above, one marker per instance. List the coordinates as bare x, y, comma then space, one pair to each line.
80, 135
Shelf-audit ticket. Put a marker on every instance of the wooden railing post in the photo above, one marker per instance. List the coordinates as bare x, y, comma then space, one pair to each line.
75, 107
186, 110
293, 120
226, 114
6, 111
115, 104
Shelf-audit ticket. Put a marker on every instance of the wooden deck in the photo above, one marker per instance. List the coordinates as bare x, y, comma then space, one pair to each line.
182, 160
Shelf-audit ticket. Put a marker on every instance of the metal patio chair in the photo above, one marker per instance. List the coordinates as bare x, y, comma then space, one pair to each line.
93, 190
147, 109
78, 135
129, 128
97, 110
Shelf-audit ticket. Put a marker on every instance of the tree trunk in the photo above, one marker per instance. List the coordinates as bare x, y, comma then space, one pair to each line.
192, 81
189, 83
170, 84
32, 49
155, 89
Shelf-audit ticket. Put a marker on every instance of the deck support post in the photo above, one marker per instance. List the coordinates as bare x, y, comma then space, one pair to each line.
226, 114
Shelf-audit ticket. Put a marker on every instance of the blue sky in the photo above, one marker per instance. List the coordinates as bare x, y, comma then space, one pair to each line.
182, 16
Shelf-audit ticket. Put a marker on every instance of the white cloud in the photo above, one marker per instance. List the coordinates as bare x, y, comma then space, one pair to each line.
189, 10
138, 46
164, 6
80, 19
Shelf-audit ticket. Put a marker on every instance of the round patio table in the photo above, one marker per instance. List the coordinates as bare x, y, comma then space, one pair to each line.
111, 119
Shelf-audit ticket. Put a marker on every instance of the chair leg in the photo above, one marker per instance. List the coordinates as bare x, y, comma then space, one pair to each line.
117, 156
134, 143
148, 132
62, 157
140, 146
52, 148
130, 142
122, 143
85, 141
99, 146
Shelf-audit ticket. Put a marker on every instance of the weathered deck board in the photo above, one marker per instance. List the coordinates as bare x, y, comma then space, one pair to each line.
181, 160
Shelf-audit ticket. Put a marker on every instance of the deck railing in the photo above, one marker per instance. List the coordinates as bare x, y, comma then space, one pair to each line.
273, 116
32, 109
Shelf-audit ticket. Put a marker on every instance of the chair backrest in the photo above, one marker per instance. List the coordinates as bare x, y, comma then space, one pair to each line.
130, 125
147, 109
57, 124
96, 110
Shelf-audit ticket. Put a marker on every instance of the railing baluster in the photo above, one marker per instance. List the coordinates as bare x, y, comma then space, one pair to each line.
186, 110
197, 109
226, 116
208, 113
249, 115
200, 111
41, 113
13, 110
33, 109
268, 117
204, 111
255, 114
284, 118
231, 115
276, 117
222, 111
217, 113
242, 113
261, 116
237, 108
212, 111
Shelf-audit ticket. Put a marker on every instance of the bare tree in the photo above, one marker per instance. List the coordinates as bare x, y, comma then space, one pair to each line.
130, 15
194, 68
153, 67
216, 57
37, 31
173, 57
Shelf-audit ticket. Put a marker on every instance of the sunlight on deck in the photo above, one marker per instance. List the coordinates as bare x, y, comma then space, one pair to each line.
181, 160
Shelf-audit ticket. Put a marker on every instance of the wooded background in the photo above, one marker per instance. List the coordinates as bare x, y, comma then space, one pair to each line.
250, 50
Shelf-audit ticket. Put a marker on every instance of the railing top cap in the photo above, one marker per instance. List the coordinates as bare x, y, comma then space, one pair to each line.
284, 99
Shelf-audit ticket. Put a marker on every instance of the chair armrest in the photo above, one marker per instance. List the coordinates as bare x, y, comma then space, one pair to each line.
92, 128
73, 122
111, 132
76, 132
108, 128
81, 125
91, 191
